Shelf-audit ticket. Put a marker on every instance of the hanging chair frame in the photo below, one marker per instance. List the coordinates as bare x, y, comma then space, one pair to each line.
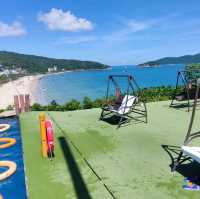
190, 136
181, 78
132, 89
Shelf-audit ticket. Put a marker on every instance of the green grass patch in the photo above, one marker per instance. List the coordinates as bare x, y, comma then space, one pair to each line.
129, 160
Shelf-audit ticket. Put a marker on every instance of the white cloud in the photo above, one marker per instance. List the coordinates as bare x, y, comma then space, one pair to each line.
125, 33
129, 28
57, 19
136, 26
15, 29
76, 40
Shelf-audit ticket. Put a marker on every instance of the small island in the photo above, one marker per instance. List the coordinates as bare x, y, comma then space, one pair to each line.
186, 59
149, 65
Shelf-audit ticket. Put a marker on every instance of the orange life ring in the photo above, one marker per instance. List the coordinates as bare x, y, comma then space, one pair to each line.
4, 127
9, 142
11, 169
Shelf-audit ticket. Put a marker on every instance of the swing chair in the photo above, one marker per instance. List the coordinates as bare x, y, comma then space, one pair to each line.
186, 81
124, 105
190, 152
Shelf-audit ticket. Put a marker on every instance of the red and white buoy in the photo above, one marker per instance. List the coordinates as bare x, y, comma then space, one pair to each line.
50, 138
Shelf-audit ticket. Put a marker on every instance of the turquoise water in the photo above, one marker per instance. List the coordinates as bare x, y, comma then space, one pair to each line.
77, 85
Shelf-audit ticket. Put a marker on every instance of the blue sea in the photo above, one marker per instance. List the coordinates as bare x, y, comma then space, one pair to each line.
76, 85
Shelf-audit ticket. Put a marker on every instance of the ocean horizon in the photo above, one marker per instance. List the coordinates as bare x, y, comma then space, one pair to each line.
65, 86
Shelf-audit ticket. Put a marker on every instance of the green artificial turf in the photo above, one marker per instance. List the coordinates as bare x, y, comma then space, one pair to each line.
129, 161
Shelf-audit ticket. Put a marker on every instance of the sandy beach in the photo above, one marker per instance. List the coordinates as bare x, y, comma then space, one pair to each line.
23, 85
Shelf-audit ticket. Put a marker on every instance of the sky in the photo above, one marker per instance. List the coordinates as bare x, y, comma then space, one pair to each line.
114, 32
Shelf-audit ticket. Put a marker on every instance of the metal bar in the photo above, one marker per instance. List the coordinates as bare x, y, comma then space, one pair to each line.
193, 113
196, 133
175, 93
131, 85
187, 90
177, 162
192, 138
115, 82
143, 102
182, 75
108, 87
141, 113
120, 76
107, 93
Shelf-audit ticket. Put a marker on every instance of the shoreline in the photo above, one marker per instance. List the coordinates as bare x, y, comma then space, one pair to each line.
29, 85
71, 71
23, 85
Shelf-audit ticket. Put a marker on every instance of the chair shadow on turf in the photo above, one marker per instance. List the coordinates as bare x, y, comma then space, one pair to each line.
77, 179
114, 120
178, 106
187, 167
182, 106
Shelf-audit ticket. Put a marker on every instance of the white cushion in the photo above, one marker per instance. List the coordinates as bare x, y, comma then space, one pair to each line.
193, 152
125, 107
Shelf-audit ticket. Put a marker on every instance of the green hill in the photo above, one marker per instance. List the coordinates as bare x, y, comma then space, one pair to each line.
39, 64
186, 59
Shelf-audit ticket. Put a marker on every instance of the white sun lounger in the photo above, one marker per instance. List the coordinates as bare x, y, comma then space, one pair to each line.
193, 152
126, 105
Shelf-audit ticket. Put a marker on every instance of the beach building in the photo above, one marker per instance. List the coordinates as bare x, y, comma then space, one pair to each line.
52, 69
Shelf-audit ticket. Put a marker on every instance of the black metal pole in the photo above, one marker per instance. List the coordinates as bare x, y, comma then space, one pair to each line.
108, 87
193, 113
175, 92
187, 89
